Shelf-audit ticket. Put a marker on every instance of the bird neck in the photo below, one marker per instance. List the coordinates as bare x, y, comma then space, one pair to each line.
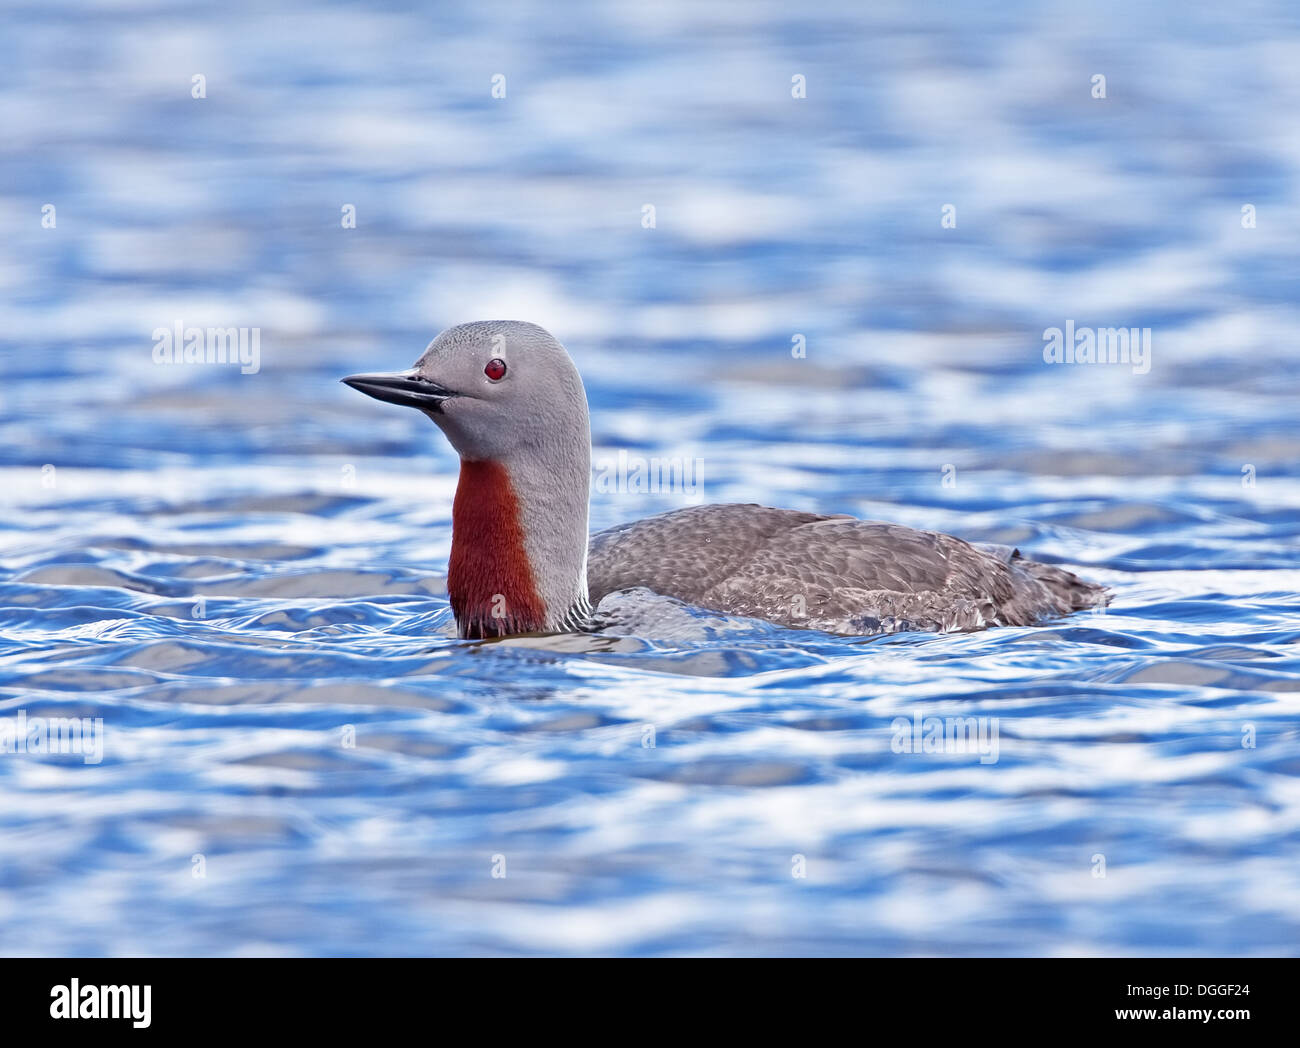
519, 548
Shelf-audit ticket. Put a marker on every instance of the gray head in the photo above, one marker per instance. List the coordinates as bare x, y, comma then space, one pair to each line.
492, 386
511, 402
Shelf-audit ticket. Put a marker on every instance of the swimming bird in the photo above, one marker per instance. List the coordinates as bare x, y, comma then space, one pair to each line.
510, 400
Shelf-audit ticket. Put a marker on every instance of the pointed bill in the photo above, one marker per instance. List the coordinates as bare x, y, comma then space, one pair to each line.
402, 387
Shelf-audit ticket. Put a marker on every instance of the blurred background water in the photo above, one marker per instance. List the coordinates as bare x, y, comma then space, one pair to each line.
234, 571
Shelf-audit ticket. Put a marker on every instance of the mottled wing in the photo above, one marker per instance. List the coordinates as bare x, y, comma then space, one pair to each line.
831, 573
685, 553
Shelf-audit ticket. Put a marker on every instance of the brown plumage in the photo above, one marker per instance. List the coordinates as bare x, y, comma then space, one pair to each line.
833, 573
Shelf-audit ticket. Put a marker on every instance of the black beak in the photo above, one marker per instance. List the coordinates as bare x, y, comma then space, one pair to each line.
402, 387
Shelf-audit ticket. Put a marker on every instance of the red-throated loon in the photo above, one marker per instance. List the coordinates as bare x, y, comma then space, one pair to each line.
510, 400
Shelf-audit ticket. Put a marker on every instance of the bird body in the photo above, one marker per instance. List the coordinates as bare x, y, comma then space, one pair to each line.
511, 402
833, 573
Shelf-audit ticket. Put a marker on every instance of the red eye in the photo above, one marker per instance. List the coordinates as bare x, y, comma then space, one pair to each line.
496, 368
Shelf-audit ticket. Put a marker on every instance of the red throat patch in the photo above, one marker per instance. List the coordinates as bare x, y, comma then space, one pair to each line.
489, 578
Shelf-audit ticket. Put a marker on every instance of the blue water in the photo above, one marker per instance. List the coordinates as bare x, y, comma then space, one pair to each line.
243, 574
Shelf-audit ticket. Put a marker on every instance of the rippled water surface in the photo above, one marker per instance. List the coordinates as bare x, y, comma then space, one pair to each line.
243, 575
